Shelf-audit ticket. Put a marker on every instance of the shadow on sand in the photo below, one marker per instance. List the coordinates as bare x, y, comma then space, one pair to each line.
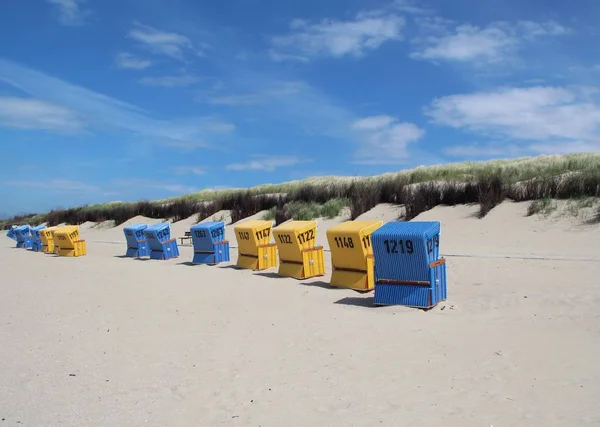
133, 258
188, 263
357, 301
269, 274
319, 284
231, 266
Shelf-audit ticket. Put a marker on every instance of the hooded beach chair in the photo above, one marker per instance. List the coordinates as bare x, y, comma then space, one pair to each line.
137, 245
161, 245
11, 233
408, 267
23, 236
255, 249
68, 243
37, 239
210, 246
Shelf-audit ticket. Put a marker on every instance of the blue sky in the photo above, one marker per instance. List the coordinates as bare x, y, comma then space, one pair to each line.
104, 100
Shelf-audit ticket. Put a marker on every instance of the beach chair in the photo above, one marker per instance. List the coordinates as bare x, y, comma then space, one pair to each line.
67, 242
408, 267
23, 236
352, 254
299, 255
47, 239
11, 233
137, 245
37, 239
56, 242
255, 250
162, 247
210, 246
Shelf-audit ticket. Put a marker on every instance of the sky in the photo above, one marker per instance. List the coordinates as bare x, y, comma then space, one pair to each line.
106, 100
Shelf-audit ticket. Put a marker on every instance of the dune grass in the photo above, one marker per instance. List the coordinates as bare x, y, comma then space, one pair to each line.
303, 211
543, 207
587, 208
573, 176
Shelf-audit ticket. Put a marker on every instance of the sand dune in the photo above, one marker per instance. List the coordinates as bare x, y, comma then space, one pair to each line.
507, 231
180, 227
140, 219
163, 343
383, 212
223, 215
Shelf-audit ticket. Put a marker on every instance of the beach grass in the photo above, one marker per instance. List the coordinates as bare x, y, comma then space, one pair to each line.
571, 176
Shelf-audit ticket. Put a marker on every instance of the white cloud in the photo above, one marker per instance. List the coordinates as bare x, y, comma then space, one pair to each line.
373, 122
282, 57
70, 11
184, 145
236, 100
140, 187
96, 109
497, 42
484, 151
24, 113
512, 150
275, 90
189, 170
266, 163
142, 183
174, 188
128, 60
335, 38
170, 81
215, 125
294, 105
58, 186
411, 7
566, 147
531, 29
161, 42
385, 139
469, 43
537, 113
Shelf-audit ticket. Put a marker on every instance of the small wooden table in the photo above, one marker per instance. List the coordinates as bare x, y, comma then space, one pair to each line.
188, 235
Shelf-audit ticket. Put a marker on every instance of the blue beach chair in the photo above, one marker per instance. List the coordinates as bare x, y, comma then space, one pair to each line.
37, 240
210, 246
161, 245
137, 245
11, 233
408, 267
23, 236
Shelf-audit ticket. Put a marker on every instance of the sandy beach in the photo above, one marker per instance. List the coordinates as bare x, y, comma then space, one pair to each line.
104, 340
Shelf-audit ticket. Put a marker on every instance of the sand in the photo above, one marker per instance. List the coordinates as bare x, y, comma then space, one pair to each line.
102, 340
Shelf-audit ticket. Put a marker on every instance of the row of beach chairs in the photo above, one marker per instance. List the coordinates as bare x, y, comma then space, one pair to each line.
399, 260
61, 240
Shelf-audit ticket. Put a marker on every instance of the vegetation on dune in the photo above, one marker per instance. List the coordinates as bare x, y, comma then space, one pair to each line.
302, 211
543, 207
575, 176
575, 207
